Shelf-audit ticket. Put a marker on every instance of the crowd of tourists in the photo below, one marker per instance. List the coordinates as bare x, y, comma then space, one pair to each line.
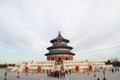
58, 73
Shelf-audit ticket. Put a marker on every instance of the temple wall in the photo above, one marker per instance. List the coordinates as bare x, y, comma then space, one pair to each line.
61, 57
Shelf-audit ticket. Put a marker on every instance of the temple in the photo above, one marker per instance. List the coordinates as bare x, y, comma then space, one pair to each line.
59, 50
59, 58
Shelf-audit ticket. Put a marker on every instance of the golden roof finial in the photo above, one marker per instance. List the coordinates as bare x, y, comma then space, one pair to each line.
59, 32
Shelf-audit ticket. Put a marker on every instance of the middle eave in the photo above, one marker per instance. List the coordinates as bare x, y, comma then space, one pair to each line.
55, 47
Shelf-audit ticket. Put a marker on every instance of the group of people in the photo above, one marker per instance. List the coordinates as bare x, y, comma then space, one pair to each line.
58, 73
115, 70
67, 72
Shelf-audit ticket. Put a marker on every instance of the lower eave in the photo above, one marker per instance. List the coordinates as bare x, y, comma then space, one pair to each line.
58, 53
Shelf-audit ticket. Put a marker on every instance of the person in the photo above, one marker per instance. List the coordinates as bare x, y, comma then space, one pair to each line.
98, 78
66, 71
69, 71
55, 74
115, 69
118, 69
52, 73
58, 74
104, 72
47, 73
63, 73
112, 70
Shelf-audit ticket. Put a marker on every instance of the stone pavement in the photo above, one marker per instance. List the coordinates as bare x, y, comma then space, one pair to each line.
74, 76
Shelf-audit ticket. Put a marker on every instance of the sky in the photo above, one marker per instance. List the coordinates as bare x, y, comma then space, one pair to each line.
27, 26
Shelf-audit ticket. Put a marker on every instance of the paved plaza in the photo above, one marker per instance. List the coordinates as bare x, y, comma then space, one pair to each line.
74, 76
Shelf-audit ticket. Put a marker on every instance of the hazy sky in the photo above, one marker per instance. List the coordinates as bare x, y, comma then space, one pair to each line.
27, 26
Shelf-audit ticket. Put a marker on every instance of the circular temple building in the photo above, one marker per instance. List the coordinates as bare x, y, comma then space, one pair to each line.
59, 50
59, 57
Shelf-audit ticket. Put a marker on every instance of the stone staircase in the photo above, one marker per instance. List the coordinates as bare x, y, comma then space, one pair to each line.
21, 68
58, 66
14, 69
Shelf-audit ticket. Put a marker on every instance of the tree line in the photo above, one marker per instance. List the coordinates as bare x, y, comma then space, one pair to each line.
114, 61
6, 65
